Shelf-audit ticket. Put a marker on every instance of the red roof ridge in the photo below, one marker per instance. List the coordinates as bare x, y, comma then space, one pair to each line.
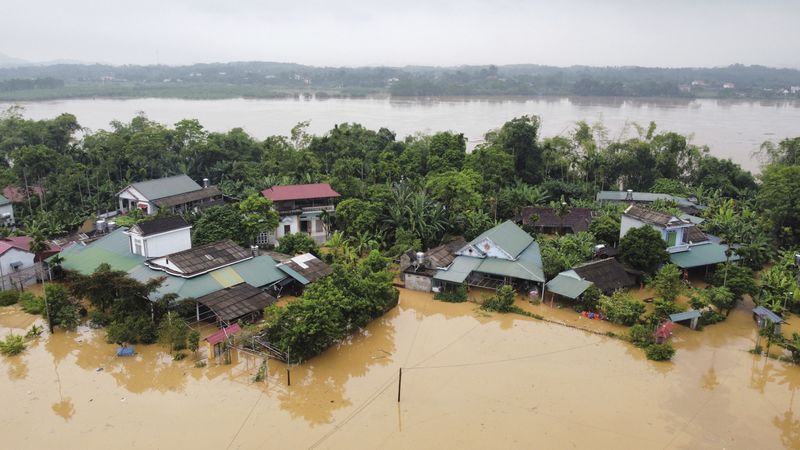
300, 192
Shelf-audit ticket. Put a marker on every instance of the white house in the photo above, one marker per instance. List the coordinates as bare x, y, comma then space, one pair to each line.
687, 245
159, 237
6, 212
177, 194
300, 207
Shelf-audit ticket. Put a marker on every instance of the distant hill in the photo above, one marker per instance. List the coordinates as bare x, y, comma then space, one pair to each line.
269, 79
10, 61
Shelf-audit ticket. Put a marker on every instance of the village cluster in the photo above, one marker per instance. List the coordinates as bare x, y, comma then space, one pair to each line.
230, 286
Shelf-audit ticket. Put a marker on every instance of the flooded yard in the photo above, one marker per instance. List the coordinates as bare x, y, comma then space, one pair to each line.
470, 380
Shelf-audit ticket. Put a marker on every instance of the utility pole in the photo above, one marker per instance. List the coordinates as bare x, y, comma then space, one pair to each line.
288, 368
399, 384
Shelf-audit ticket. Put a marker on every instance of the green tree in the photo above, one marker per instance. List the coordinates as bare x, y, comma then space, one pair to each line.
605, 228
779, 200
218, 223
296, 243
257, 216
643, 249
667, 282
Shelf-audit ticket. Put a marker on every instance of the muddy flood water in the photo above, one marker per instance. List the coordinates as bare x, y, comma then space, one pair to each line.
470, 380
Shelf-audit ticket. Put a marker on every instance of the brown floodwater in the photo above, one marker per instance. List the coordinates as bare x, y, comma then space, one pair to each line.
470, 380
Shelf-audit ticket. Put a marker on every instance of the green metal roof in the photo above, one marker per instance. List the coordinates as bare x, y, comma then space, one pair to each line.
112, 249
4, 200
508, 236
568, 286
166, 187
701, 255
459, 270
528, 265
294, 274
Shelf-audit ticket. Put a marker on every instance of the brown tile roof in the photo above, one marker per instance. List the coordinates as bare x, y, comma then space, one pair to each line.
607, 274
236, 301
208, 193
695, 235
314, 270
203, 259
577, 219
653, 217
443, 255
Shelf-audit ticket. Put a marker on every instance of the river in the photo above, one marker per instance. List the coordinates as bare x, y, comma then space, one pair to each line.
470, 380
731, 128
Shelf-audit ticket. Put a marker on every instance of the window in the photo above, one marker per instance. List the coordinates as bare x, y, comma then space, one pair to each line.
304, 226
287, 229
672, 238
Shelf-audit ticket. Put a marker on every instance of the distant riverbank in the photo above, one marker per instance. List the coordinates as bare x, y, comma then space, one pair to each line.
730, 128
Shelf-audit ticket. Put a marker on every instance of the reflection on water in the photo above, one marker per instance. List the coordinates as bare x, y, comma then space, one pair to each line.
491, 381
731, 128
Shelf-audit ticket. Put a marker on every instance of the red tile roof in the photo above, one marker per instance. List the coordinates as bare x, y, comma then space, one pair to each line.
17, 194
223, 334
299, 192
23, 243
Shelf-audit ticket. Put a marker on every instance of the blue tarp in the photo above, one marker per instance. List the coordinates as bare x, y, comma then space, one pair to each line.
125, 351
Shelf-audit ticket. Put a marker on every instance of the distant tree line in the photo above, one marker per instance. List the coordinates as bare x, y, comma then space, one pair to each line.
264, 79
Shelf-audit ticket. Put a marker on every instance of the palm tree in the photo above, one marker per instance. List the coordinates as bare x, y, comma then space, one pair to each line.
560, 209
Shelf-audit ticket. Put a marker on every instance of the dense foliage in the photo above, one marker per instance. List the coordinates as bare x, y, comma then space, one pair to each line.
331, 308
621, 308
643, 249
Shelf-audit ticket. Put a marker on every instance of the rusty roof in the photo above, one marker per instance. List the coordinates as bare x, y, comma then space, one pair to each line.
576, 219
236, 301
198, 260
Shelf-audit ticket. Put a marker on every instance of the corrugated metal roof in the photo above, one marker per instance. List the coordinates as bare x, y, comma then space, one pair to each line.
508, 236
644, 197
460, 269
299, 192
223, 334
294, 274
701, 255
567, 286
764, 312
528, 265
166, 187
4, 201
686, 315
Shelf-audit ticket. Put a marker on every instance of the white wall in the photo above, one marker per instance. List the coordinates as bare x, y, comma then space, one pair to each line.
14, 255
7, 209
163, 244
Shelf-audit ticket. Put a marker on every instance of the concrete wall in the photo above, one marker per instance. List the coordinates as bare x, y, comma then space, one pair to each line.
162, 244
418, 282
316, 228
14, 255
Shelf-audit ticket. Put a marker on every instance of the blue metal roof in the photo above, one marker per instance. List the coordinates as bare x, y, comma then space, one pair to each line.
764, 312
686, 315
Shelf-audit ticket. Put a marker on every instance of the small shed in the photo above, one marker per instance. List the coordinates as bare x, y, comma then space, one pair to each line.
761, 315
693, 316
216, 341
664, 332
568, 284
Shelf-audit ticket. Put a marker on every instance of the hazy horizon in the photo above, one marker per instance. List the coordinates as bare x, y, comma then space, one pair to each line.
356, 33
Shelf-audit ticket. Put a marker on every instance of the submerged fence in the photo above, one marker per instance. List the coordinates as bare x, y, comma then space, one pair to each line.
23, 278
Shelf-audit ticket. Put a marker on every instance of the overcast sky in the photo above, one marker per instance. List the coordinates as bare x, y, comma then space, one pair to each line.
402, 32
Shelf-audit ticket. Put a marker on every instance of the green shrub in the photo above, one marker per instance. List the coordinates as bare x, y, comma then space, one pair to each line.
133, 329
31, 304
502, 301
99, 318
591, 299
179, 356
622, 309
12, 345
200, 364
9, 297
660, 352
457, 296
640, 335
710, 317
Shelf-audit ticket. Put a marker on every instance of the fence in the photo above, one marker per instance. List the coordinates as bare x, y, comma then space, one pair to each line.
22, 278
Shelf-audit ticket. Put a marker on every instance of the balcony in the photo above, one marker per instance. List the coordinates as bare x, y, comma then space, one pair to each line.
306, 209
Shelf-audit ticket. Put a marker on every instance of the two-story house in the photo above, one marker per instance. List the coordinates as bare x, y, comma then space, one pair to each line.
687, 245
300, 207
176, 194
